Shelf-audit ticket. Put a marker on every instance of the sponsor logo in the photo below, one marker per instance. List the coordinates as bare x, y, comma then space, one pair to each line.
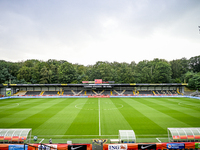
146, 146
197, 145
77, 147
99, 141
73, 148
175, 146
117, 147
98, 96
47, 147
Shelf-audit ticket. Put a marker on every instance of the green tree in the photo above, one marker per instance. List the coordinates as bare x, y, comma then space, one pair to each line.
67, 73
101, 70
144, 71
162, 72
194, 63
188, 75
194, 82
5, 75
52, 66
44, 76
24, 73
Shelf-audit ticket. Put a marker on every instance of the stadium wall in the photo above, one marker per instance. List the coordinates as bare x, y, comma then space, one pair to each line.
90, 96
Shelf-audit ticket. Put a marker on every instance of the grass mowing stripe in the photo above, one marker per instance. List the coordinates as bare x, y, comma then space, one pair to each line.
19, 114
172, 111
35, 116
60, 122
188, 111
86, 122
111, 119
187, 103
24, 104
115, 114
153, 114
181, 104
139, 122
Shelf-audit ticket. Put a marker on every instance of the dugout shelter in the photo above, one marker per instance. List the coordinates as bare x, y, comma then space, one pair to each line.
15, 135
183, 134
127, 136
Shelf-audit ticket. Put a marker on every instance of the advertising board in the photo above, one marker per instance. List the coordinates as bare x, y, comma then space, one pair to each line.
117, 147
197, 145
175, 146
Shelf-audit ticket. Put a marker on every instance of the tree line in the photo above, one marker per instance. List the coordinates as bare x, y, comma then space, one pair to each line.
60, 71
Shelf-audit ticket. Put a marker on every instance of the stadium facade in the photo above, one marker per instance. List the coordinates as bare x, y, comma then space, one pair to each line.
92, 89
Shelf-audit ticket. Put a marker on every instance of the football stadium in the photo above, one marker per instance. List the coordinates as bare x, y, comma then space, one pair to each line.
98, 115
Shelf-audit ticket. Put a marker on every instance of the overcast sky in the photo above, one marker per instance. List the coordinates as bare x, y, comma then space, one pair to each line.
87, 31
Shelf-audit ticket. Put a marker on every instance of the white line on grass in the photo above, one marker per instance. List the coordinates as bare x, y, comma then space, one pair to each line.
99, 118
158, 140
12, 105
73, 135
41, 141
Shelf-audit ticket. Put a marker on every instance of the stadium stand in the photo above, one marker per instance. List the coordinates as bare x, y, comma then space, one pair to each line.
128, 92
166, 92
77, 92
146, 92
71, 92
51, 93
68, 92
33, 93
132, 89
99, 92
20, 93
119, 92
107, 92
89, 92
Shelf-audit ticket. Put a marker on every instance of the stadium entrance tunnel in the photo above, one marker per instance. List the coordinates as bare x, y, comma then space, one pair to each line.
184, 134
15, 135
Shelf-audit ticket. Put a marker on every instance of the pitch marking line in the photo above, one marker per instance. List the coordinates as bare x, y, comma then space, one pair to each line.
12, 105
158, 140
41, 141
99, 118
74, 135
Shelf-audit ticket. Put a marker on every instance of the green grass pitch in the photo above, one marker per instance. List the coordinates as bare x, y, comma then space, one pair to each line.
68, 118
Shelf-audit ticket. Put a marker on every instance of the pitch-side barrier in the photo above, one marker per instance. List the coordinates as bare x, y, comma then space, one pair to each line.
122, 146
91, 97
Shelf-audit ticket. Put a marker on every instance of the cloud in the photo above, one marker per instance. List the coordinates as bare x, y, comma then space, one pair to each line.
85, 32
